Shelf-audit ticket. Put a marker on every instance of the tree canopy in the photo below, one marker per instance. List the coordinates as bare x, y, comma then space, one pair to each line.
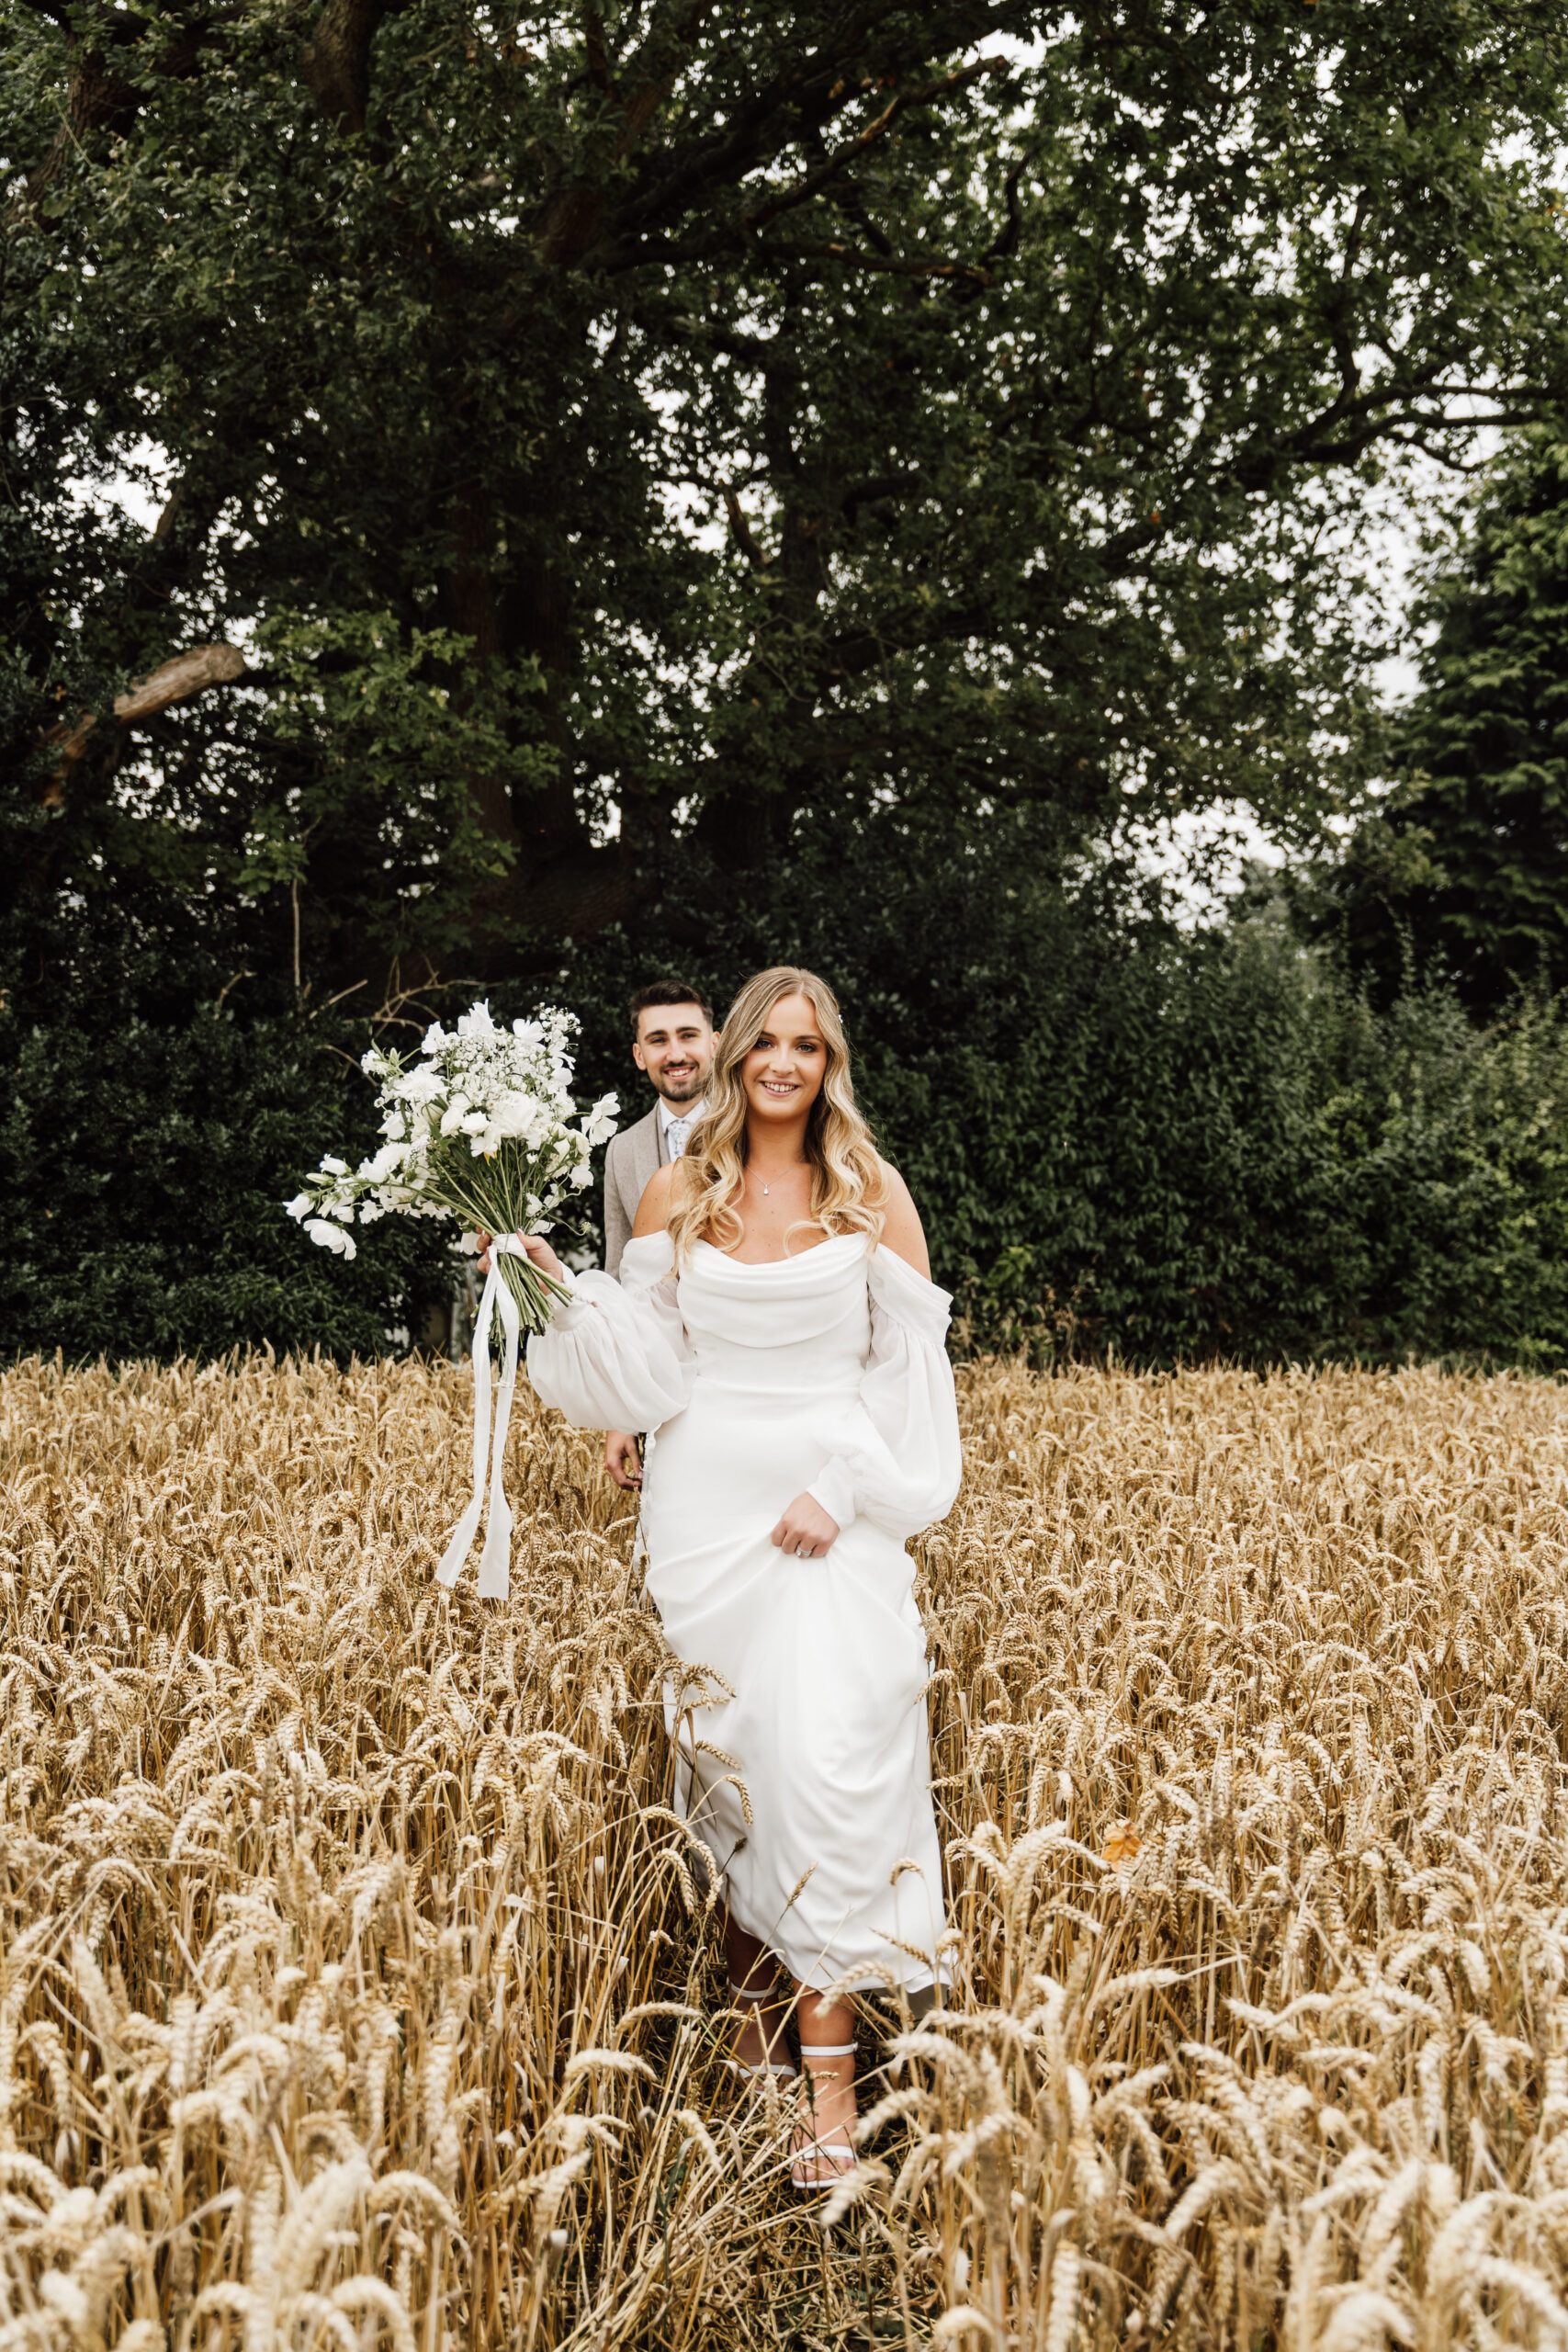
596, 443
1462, 870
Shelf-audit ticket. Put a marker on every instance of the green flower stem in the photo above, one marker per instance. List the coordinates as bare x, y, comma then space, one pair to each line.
493, 1196
537, 1293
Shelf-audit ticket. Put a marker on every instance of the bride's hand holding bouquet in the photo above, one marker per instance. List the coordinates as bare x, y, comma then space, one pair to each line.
539, 1252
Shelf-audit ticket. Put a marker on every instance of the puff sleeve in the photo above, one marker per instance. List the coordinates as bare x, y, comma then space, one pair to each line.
615, 1355
905, 1474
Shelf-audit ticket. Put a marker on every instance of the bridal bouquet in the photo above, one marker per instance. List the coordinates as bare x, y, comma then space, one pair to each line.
480, 1127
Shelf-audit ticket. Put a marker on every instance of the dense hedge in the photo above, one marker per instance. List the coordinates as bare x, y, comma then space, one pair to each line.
143, 1163
1122, 1136
1214, 1146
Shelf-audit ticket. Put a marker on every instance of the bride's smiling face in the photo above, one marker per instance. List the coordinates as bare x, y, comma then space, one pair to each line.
782, 1073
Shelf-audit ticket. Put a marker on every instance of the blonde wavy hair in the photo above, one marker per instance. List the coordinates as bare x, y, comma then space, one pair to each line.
848, 1189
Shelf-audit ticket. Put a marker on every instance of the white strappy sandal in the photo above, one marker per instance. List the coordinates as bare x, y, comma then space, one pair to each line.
828, 2160
741, 1996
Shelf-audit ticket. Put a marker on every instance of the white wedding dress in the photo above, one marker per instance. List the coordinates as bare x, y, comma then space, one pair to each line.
810, 1781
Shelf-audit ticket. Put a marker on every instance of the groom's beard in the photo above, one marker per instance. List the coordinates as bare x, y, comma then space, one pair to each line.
687, 1091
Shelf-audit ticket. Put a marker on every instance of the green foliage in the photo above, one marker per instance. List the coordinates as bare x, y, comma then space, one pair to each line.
1239, 1158
144, 1165
1177, 1146
1464, 870
383, 729
746, 417
694, 485
1122, 1136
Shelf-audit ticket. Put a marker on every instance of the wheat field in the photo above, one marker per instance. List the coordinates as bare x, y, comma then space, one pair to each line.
358, 1987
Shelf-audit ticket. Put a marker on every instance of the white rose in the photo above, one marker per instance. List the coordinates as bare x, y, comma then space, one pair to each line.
513, 1115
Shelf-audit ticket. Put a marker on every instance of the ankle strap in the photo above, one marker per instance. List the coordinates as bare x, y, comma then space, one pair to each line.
828, 2049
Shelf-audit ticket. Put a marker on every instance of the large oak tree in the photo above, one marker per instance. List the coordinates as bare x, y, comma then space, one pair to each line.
621, 439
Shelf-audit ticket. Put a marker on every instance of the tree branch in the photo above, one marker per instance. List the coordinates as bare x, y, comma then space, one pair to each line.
177, 680
740, 529
718, 162
747, 227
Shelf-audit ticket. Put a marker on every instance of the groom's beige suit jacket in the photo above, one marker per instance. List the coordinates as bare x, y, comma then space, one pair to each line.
633, 1155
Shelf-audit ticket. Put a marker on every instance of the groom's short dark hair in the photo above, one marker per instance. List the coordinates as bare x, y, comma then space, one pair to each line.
668, 993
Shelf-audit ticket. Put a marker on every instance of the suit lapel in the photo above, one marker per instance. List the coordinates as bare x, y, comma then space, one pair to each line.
644, 1139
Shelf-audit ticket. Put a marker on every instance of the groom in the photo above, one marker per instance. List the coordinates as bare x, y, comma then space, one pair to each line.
673, 1043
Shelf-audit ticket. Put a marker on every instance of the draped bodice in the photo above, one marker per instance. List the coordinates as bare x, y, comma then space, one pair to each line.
793, 1326
827, 1368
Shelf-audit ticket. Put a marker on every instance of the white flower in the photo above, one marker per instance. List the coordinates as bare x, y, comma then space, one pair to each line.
602, 1120
331, 1237
515, 1116
508, 1090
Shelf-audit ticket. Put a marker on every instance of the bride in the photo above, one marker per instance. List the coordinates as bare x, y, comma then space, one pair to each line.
776, 1328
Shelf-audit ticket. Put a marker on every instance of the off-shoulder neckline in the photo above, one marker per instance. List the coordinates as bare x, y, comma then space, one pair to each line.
766, 1265
886, 1258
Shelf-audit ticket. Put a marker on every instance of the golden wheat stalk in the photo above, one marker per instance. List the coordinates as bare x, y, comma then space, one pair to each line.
358, 1982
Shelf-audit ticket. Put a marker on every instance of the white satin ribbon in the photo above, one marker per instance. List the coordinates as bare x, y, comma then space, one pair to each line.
495, 1560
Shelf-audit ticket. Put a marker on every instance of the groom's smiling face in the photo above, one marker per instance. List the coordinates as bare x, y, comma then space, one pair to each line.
674, 1045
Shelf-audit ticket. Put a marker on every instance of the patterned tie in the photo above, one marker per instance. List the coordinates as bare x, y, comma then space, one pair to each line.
676, 1134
